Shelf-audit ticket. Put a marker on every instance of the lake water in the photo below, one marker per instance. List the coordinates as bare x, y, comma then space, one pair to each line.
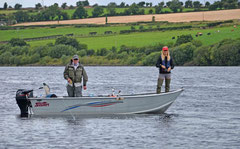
205, 115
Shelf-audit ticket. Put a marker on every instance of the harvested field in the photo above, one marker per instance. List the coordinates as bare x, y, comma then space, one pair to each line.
174, 17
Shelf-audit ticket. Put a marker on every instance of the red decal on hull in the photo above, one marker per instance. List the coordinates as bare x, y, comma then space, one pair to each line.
41, 104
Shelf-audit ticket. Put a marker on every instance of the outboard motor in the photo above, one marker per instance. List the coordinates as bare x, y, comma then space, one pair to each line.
22, 96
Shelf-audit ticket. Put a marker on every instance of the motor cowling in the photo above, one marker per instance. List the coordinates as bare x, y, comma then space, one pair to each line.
23, 102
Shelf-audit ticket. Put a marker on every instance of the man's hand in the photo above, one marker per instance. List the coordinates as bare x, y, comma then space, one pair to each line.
69, 80
84, 87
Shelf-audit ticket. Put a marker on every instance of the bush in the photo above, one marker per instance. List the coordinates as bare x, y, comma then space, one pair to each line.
202, 56
150, 49
82, 53
25, 59
97, 11
102, 52
17, 42
4, 47
111, 55
16, 60
59, 50
141, 27
82, 47
42, 50
226, 53
34, 58
127, 49
67, 41
90, 52
122, 55
150, 11
133, 28
197, 43
80, 13
132, 60
65, 59
183, 53
5, 58
151, 59
46, 60
184, 39
19, 50
113, 49
213, 7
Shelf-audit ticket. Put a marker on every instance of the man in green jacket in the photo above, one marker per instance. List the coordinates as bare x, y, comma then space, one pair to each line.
73, 73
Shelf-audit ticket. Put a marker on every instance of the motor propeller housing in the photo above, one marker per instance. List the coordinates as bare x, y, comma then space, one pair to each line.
22, 96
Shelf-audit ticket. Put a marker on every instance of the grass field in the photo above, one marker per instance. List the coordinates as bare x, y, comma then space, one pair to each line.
7, 11
152, 38
6, 35
133, 39
40, 32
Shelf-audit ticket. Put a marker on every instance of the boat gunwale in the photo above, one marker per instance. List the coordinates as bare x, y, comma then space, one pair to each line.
107, 97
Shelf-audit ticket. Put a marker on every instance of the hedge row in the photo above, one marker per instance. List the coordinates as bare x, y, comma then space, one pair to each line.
50, 26
218, 23
41, 38
155, 29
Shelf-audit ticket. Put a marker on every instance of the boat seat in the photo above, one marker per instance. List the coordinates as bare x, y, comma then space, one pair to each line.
51, 96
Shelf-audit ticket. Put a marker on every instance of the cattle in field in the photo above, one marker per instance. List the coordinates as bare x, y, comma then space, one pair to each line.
69, 34
92, 33
199, 33
108, 32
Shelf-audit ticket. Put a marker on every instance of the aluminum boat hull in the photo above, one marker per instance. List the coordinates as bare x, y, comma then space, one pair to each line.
126, 104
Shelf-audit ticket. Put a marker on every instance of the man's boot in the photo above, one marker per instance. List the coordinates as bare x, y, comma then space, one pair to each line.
167, 85
159, 85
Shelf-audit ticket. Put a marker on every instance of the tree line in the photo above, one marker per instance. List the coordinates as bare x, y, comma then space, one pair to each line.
226, 4
185, 51
54, 12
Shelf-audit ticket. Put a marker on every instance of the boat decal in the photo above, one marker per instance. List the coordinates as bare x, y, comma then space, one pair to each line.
41, 104
93, 104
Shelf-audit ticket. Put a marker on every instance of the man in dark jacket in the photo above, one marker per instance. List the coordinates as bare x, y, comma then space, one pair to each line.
73, 73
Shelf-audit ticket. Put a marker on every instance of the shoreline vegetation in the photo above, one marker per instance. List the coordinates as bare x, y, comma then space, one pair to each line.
197, 43
191, 44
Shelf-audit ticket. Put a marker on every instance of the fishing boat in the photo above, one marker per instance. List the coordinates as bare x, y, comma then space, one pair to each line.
150, 103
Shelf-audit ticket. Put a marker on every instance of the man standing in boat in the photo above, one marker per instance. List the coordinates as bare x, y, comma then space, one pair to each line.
74, 73
165, 65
